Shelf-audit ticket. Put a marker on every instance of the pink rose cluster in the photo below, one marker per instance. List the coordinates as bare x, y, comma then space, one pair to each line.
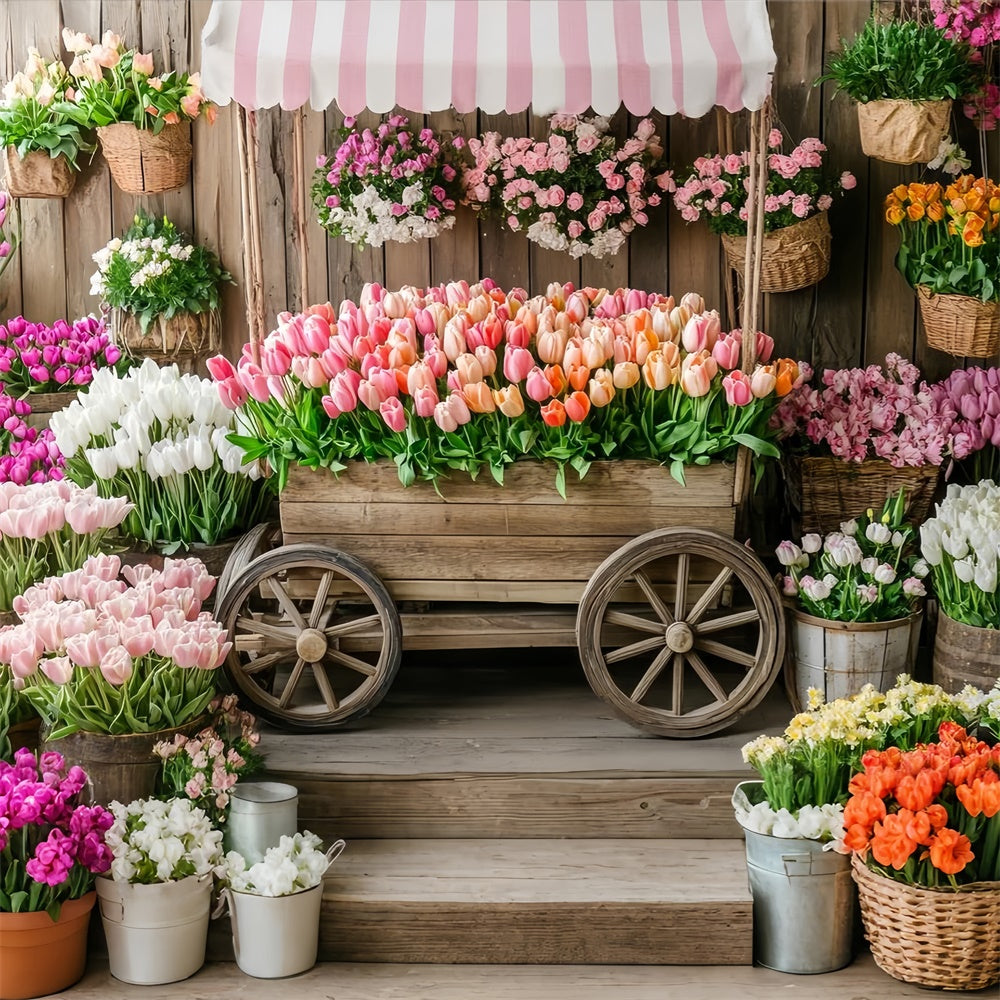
974, 395
875, 412
27, 454
575, 191
42, 358
797, 187
59, 841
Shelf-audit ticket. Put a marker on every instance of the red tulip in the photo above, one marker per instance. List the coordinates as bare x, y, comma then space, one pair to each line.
554, 413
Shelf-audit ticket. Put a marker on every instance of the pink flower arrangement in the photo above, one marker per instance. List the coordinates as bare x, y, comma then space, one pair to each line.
395, 183
35, 357
51, 845
461, 378
96, 654
27, 454
797, 187
974, 21
574, 191
974, 395
871, 412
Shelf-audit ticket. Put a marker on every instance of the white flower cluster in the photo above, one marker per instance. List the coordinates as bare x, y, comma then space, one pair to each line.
155, 841
370, 221
296, 863
150, 418
966, 533
810, 822
148, 257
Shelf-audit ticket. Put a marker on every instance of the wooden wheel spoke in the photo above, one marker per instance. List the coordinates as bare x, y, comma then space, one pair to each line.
319, 601
287, 604
635, 649
325, 687
677, 693
292, 683
354, 625
326, 614
279, 633
728, 621
707, 677
706, 599
725, 652
683, 571
261, 663
351, 662
654, 671
655, 602
634, 622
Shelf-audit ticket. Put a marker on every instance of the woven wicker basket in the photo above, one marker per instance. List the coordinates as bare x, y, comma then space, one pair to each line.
936, 938
903, 131
144, 163
794, 257
960, 324
828, 490
38, 175
183, 339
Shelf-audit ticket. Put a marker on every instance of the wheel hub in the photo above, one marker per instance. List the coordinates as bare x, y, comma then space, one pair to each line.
680, 637
311, 645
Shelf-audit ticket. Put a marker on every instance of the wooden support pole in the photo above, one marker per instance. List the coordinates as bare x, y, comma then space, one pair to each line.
299, 204
253, 261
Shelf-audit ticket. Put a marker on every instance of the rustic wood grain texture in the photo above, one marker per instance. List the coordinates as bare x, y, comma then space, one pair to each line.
647, 246
456, 258
314, 143
408, 263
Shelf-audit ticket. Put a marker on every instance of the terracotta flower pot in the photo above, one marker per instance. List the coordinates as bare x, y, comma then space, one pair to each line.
39, 956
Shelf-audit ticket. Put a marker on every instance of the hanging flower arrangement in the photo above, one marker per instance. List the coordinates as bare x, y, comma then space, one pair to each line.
576, 190
396, 184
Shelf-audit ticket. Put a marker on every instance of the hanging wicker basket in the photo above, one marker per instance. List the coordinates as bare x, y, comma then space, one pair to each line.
827, 490
960, 324
144, 163
938, 938
182, 339
794, 257
38, 175
903, 131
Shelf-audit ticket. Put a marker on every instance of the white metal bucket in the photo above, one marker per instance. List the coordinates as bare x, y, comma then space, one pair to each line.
260, 814
155, 933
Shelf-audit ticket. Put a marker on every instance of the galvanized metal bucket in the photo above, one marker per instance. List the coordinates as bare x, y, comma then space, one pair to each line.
804, 902
260, 814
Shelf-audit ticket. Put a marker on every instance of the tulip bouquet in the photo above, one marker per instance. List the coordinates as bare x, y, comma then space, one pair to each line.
574, 191
797, 187
885, 412
49, 528
865, 572
205, 767
117, 84
974, 394
27, 454
294, 864
961, 544
949, 236
160, 438
154, 270
51, 845
459, 378
929, 816
33, 113
806, 771
395, 183
93, 653
35, 357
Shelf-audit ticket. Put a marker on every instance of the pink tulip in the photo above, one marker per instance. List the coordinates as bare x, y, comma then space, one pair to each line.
138, 636
220, 368
344, 390
425, 399
58, 669
537, 386
276, 358
393, 414
727, 351
254, 381
116, 666
737, 389
385, 382
444, 419
369, 395
330, 408
424, 319
458, 408
701, 332
24, 658
437, 361
577, 307
765, 347
232, 394
517, 362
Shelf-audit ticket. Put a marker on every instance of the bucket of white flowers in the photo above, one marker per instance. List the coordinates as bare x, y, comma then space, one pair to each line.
274, 905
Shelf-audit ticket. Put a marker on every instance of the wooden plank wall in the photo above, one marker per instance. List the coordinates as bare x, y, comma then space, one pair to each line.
861, 311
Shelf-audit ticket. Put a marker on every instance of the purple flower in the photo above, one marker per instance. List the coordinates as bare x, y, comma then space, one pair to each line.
53, 859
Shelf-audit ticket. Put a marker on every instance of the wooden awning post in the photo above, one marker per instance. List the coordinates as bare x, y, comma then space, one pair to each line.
253, 261
299, 204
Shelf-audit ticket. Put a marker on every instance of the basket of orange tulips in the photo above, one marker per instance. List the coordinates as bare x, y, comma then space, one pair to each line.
950, 253
924, 825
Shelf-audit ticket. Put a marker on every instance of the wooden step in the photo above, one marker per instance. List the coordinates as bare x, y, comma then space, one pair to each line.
623, 902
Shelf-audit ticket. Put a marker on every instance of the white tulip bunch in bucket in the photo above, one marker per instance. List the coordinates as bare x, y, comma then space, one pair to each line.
275, 904
162, 439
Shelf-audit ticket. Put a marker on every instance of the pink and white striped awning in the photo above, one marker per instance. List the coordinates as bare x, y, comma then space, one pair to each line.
677, 56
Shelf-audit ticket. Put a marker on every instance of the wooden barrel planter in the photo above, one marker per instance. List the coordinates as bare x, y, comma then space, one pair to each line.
38, 175
903, 131
965, 654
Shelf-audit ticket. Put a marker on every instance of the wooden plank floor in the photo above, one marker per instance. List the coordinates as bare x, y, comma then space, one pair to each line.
862, 980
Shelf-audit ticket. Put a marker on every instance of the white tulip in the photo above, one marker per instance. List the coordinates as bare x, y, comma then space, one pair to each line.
204, 455
964, 570
955, 543
986, 576
877, 533
103, 462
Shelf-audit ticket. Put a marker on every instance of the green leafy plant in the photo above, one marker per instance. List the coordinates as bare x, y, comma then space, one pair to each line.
156, 270
903, 60
33, 113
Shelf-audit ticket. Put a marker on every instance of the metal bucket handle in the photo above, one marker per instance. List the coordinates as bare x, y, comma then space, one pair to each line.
333, 852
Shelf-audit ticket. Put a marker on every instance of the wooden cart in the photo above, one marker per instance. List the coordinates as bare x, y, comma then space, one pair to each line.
679, 626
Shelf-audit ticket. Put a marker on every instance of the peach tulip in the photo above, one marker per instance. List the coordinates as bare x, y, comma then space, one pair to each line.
479, 397
444, 418
556, 378
696, 375
643, 341
693, 302
487, 358
762, 381
509, 401
625, 374
657, 372
550, 346
578, 376
602, 388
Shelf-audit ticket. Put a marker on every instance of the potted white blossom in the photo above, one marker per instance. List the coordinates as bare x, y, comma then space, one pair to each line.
275, 904
156, 902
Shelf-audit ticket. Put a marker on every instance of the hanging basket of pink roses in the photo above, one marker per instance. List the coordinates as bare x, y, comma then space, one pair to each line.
796, 232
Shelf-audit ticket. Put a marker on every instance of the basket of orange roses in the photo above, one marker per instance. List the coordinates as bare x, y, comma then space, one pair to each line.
924, 826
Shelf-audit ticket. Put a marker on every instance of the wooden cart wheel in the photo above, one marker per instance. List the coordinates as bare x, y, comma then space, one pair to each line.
681, 631
258, 540
316, 637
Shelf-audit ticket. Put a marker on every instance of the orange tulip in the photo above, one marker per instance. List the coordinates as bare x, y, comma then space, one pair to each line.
935, 211
950, 851
578, 376
864, 809
577, 406
554, 413
556, 378
894, 215
786, 374
890, 843
915, 212
644, 341
479, 397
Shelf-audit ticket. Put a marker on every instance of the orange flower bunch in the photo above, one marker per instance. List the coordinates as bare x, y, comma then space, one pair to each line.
974, 206
929, 815
914, 202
